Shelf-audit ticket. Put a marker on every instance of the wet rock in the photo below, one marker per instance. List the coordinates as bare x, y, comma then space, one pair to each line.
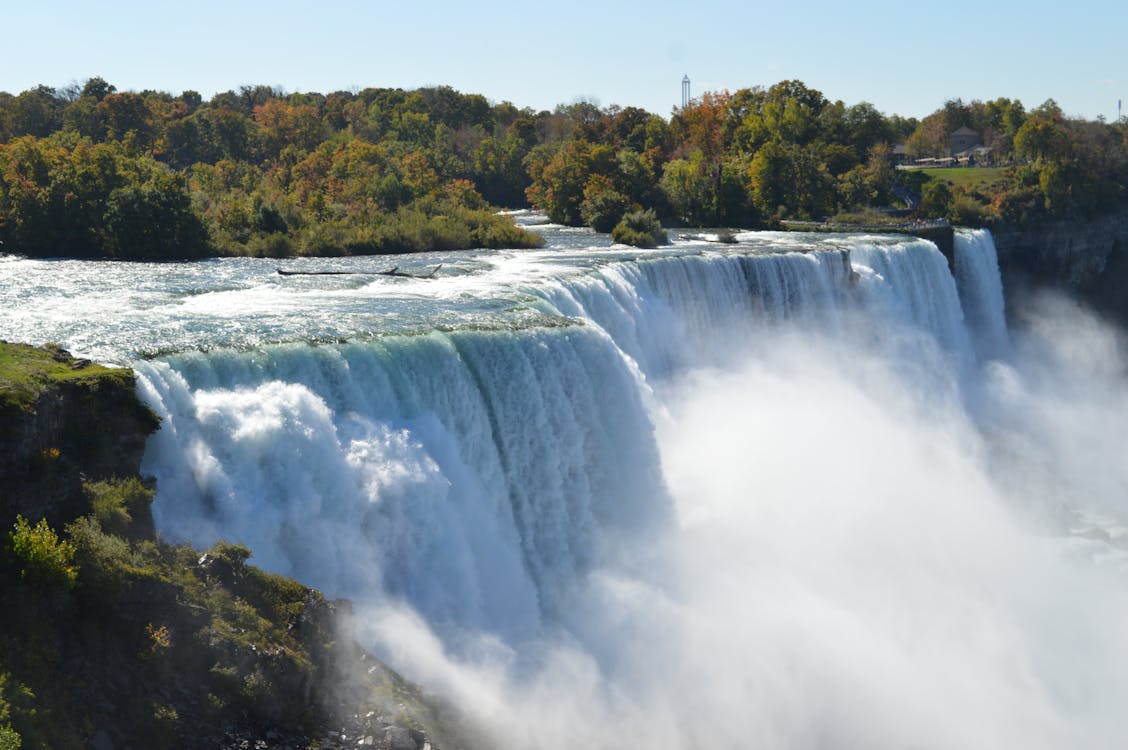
400, 738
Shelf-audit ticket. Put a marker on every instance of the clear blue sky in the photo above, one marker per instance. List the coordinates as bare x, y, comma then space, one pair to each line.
905, 58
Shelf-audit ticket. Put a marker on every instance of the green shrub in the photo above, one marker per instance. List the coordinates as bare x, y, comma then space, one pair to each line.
235, 555
641, 229
118, 503
95, 548
106, 560
40, 556
226, 562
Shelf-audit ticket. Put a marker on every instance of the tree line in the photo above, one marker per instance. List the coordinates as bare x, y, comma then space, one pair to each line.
93, 172
90, 171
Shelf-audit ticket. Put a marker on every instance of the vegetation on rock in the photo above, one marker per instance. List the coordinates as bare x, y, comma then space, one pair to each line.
641, 229
27, 371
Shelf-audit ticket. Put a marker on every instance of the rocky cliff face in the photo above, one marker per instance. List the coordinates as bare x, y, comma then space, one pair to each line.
65, 421
1086, 258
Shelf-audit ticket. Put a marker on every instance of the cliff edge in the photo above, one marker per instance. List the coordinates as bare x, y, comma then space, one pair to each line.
1088, 259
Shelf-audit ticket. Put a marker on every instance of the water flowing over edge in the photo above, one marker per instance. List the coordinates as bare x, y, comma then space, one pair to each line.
479, 473
496, 481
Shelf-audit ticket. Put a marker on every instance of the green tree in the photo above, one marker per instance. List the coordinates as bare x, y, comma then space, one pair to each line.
154, 219
559, 187
97, 88
930, 138
10, 739
936, 199
603, 206
998, 121
93, 200
125, 114
788, 112
1041, 138
37, 111
634, 176
690, 190
870, 184
789, 180
498, 169
867, 128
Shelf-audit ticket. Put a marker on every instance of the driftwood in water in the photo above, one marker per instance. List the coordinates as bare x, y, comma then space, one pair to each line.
391, 272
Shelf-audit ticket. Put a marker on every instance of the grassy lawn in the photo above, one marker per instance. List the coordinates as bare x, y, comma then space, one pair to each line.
969, 177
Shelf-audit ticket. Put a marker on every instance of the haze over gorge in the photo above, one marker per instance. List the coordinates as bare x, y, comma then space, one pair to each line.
801, 491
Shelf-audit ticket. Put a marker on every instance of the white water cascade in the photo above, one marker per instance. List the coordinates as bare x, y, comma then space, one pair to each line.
479, 474
981, 290
802, 492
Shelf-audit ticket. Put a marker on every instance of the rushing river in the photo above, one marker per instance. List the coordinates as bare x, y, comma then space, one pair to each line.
802, 491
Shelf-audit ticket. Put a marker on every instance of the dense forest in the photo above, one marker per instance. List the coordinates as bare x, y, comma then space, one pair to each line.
89, 171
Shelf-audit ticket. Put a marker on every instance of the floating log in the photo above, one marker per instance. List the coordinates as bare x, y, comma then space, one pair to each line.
390, 272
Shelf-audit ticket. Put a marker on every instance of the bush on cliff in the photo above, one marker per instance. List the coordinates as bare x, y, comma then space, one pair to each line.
40, 557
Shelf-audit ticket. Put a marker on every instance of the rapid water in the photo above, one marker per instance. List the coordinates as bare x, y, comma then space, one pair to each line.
803, 491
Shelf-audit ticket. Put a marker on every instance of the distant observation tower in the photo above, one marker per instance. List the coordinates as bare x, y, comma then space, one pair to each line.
685, 91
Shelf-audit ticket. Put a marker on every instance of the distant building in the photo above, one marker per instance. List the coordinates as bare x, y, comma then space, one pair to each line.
962, 140
966, 147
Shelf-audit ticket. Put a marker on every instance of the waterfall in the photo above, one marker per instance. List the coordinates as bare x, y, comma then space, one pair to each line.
909, 285
801, 493
478, 474
981, 292
673, 313
475, 474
